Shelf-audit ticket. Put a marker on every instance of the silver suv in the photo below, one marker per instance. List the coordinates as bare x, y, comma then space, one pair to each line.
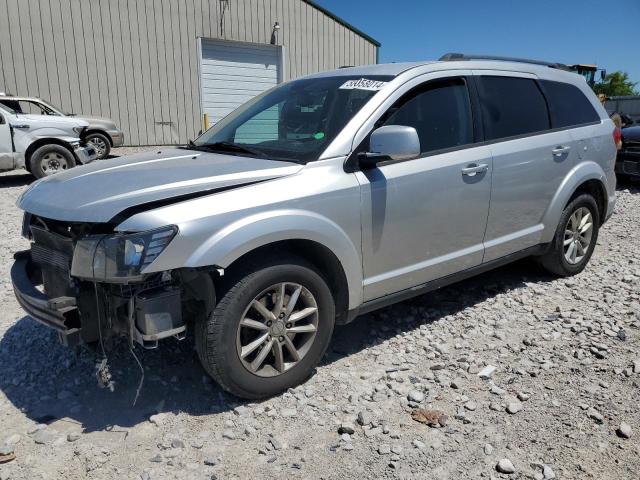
319, 200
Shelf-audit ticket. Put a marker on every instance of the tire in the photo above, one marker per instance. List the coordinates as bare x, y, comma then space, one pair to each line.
555, 259
50, 159
221, 339
101, 143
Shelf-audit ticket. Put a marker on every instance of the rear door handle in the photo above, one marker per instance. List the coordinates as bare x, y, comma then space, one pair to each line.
561, 150
473, 169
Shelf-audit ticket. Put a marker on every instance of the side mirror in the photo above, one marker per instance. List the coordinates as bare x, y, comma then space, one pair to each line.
391, 142
603, 75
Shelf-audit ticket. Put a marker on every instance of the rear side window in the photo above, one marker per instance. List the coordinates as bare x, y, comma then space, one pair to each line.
568, 105
511, 106
439, 111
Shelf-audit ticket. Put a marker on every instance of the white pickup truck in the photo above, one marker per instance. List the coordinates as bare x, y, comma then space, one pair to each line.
42, 144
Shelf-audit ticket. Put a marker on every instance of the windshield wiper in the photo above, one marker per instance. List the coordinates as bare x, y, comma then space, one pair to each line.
229, 147
234, 147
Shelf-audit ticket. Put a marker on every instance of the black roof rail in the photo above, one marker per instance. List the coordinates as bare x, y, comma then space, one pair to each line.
448, 57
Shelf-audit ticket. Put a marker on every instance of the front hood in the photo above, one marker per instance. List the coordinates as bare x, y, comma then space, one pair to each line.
99, 191
53, 121
97, 121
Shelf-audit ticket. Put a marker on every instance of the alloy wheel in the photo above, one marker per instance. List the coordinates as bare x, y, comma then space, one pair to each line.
277, 329
100, 145
577, 235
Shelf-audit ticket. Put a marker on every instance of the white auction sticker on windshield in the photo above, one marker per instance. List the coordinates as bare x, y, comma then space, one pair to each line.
363, 84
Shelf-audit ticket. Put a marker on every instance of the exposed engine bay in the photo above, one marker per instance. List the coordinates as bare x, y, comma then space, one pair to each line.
81, 287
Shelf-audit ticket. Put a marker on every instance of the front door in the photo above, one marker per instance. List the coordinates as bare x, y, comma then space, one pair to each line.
425, 218
6, 149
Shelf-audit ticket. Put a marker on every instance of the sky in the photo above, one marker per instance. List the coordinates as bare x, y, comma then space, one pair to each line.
603, 32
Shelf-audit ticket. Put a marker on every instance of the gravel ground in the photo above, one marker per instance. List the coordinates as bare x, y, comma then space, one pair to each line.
536, 376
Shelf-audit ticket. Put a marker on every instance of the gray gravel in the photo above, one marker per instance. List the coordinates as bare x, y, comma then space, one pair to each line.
563, 354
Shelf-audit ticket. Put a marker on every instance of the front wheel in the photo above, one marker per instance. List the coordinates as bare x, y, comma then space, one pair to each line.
101, 143
269, 330
50, 159
575, 237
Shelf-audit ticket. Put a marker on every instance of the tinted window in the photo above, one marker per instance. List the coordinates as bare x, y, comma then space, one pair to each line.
440, 112
511, 106
568, 105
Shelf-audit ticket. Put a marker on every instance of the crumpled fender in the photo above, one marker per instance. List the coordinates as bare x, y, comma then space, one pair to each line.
240, 237
583, 172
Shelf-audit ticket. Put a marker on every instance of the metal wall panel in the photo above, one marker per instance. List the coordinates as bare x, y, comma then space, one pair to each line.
137, 61
628, 105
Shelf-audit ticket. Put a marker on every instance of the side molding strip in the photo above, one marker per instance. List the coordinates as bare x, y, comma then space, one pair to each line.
418, 290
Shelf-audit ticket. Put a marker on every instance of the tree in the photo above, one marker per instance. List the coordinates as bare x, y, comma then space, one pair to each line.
616, 84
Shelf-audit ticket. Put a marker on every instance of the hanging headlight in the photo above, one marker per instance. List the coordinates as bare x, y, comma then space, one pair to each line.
121, 257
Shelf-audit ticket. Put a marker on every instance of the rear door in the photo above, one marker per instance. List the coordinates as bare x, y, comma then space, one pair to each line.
572, 110
530, 160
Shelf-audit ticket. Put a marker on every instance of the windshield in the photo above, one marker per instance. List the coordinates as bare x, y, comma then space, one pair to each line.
295, 121
7, 108
27, 107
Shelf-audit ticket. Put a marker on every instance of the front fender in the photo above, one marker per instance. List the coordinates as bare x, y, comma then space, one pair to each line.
582, 173
51, 133
231, 242
23, 139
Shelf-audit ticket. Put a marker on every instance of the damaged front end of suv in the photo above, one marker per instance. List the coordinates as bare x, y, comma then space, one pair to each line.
87, 282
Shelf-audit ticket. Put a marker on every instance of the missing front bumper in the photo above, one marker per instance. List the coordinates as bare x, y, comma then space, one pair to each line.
61, 314
147, 315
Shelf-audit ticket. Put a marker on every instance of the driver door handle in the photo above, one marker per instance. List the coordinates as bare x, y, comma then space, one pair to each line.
473, 169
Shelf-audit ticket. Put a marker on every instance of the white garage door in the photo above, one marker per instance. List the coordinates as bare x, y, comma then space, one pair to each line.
234, 72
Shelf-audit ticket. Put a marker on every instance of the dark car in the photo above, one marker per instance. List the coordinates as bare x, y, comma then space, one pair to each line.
628, 160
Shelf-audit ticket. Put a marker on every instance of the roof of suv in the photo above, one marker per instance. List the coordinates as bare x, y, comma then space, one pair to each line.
543, 69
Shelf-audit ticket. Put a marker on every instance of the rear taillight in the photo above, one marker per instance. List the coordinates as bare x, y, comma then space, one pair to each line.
617, 137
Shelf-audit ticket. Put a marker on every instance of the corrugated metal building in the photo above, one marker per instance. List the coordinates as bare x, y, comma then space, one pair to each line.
156, 66
629, 105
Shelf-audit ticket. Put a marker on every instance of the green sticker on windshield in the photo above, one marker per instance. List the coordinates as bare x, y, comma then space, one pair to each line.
319, 136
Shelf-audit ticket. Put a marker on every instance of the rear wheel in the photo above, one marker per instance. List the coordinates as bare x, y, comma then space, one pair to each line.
50, 159
269, 330
101, 143
575, 237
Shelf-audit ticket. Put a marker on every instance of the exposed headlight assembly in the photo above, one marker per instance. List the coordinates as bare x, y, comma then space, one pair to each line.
119, 258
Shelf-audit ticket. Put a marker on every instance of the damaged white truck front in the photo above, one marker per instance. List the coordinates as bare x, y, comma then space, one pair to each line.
42, 144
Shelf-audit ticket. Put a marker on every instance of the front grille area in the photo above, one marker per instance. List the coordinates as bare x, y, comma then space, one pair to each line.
631, 168
43, 255
53, 253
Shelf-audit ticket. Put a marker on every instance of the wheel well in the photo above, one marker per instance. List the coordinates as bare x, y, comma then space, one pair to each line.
41, 142
322, 258
101, 132
596, 189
